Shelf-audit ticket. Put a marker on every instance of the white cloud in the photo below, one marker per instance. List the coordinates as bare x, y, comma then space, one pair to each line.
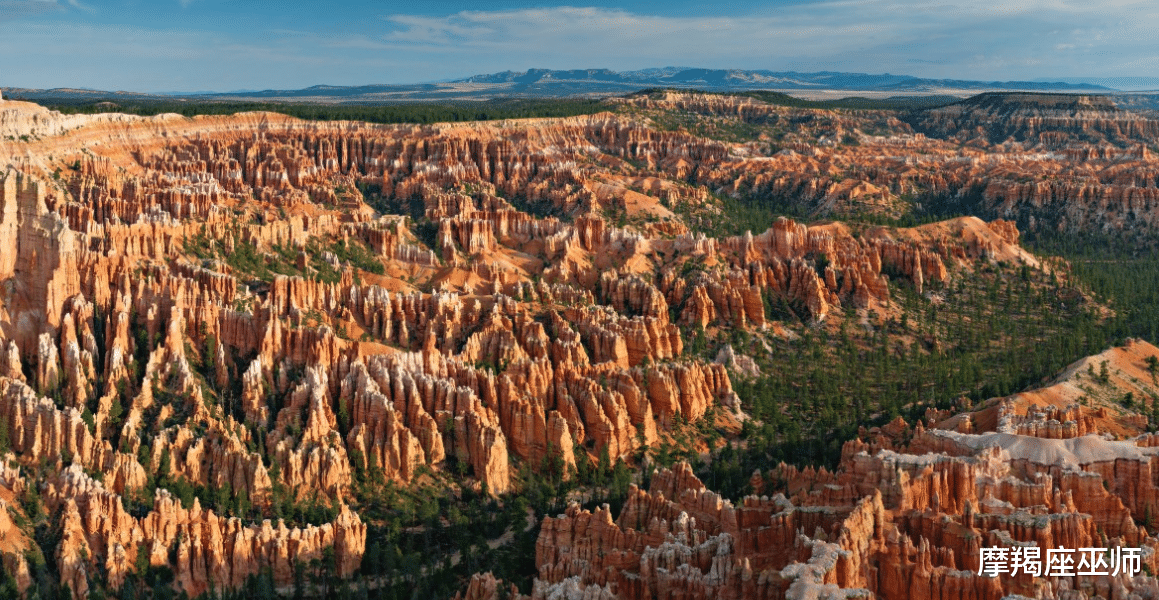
19, 9
140, 59
79, 6
933, 38
1014, 39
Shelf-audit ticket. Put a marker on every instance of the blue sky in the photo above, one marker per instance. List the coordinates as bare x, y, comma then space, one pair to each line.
187, 45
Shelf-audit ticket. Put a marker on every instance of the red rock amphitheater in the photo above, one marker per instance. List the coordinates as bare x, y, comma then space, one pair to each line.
175, 298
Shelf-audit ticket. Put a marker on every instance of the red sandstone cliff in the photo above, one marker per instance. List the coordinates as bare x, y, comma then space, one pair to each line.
219, 301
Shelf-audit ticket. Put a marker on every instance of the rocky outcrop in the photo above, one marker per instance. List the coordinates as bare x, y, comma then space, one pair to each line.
1046, 119
884, 535
258, 304
215, 552
904, 516
36, 427
205, 551
486, 587
1072, 162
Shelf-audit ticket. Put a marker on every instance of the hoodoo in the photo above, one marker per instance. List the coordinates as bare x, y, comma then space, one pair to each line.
573, 357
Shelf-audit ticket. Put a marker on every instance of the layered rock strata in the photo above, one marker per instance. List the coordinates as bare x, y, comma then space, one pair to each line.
256, 303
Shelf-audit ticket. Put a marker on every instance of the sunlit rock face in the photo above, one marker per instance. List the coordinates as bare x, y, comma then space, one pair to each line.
905, 515
267, 306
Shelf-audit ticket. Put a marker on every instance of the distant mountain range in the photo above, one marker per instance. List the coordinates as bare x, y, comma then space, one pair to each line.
715, 79
547, 83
